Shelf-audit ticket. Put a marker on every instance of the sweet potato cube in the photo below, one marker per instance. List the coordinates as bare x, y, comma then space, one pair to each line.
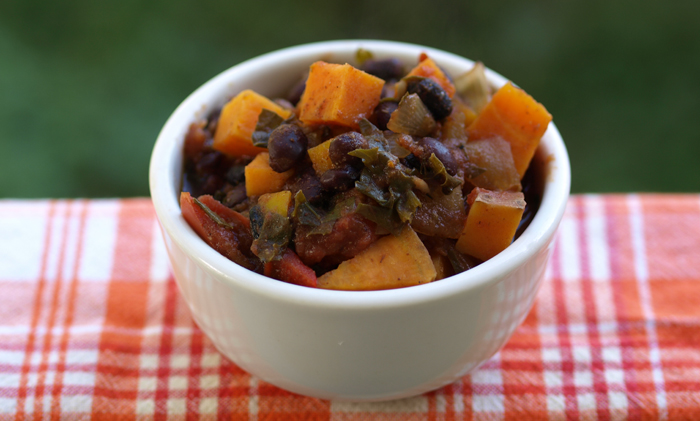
428, 68
276, 202
491, 222
261, 179
320, 158
338, 94
390, 262
237, 123
516, 117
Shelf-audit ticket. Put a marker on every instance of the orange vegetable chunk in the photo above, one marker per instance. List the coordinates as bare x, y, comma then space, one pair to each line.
261, 179
338, 94
320, 157
516, 117
276, 202
390, 262
237, 123
491, 222
428, 68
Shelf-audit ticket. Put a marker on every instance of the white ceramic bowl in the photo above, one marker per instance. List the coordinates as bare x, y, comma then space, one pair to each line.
358, 346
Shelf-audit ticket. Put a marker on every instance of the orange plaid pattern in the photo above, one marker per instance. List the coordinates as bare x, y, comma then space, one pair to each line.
92, 325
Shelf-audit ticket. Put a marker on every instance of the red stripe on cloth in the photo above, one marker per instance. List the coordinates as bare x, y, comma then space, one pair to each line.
36, 311
164, 352
194, 374
617, 230
133, 349
597, 368
53, 309
566, 364
276, 404
68, 321
116, 388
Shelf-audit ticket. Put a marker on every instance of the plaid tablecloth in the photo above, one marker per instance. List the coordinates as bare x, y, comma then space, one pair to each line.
92, 325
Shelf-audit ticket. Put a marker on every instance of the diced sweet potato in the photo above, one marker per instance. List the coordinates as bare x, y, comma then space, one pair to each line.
516, 117
390, 262
276, 202
237, 123
320, 159
491, 222
338, 94
495, 156
428, 68
261, 179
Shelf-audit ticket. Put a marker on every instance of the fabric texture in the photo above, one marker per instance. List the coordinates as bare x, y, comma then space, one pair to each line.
92, 325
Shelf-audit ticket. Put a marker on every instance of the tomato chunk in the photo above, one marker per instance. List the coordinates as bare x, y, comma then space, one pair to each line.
232, 240
292, 270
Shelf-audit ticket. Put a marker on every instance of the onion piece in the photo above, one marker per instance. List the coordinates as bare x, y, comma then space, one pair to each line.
473, 87
412, 117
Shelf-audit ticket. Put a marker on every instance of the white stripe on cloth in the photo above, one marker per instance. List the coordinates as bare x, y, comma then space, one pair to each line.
641, 269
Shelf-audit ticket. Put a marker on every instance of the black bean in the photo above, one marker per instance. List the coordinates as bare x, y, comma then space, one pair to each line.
411, 161
433, 96
382, 113
311, 186
213, 121
388, 68
235, 196
342, 144
434, 146
340, 179
286, 145
235, 174
208, 162
297, 90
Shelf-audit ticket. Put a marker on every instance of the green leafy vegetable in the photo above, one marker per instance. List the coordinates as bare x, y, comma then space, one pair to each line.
369, 187
321, 221
362, 55
374, 136
212, 215
406, 206
271, 232
381, 216
436, 169
385, 180
267, 122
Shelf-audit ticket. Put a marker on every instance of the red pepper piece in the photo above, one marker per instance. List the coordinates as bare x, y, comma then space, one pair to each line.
292, 270
232, 241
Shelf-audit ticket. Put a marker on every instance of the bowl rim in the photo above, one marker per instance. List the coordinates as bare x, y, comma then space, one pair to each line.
165, 171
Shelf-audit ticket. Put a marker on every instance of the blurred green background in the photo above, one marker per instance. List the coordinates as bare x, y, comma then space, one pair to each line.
85, 86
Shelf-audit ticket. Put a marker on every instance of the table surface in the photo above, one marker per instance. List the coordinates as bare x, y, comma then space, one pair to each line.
92, 325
